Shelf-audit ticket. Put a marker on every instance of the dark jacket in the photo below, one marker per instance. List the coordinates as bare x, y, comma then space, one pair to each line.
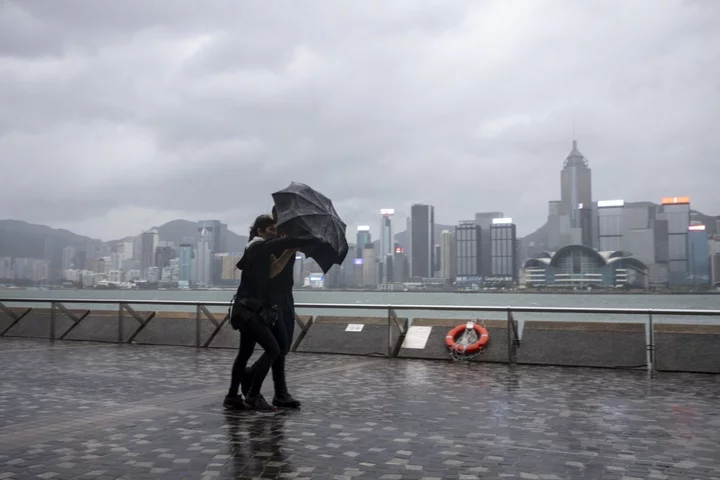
283, 283
255, 265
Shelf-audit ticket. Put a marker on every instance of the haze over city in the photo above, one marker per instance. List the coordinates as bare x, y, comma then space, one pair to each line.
121, 116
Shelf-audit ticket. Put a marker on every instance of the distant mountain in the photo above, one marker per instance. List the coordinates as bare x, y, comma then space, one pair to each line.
178, 231
20, 239
181, 231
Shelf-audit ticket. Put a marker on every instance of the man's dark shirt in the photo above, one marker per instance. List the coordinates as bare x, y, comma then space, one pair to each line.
284, 281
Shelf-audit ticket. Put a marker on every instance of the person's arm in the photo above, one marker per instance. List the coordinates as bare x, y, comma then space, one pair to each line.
276, 246
277, 265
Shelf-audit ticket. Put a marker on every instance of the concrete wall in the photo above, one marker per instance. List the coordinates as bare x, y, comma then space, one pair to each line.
330, 334
690, 348
687, 348
583, 344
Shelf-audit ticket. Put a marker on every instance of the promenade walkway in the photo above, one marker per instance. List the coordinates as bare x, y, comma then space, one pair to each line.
101, 411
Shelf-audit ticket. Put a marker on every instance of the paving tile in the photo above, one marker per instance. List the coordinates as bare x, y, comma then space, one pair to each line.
150, 412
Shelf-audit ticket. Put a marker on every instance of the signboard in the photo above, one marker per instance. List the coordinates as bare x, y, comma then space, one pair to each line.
399, 250
675, 200
354, 327
696, 228
358, 261
499, 279
464, 279
363, 228
501, 221
387, 211
611, 203
417, 337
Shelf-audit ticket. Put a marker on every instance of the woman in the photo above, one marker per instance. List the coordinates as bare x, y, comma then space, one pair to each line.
259, 265
280, 294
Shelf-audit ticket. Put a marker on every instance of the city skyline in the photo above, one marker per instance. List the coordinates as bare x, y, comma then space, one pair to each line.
674, 248
227, 101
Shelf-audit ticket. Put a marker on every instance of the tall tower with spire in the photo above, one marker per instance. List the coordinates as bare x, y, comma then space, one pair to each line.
575, 184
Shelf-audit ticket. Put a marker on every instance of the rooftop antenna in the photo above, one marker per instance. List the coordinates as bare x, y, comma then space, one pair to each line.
574, 140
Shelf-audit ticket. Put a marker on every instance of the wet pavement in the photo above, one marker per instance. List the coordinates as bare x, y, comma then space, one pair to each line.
82, 410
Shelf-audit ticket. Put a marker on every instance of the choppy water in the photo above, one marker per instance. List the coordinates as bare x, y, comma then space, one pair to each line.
699, 302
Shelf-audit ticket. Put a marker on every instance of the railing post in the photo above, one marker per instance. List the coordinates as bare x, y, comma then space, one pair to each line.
509, 336
52, 321
650, 347
198, 313
121, 322
389, 337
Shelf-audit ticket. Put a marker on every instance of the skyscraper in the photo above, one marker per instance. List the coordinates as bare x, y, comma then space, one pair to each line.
698, 255
148, 243
503, 240
422, 240
401, 265
68, 258
204, 259
185, 254
216, 234
467, 238
610, 225
677, 213
369, 266
387, 243
363, 239
585, 213
447, 256
575, 183
485, 221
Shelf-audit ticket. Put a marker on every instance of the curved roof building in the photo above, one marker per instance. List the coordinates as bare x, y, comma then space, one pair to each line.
581, 266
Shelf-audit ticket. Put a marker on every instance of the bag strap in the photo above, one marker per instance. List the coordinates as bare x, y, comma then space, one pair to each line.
232, 304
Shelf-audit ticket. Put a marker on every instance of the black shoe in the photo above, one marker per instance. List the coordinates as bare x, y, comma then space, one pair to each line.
246, 381
235, 403
259, 403
285, 400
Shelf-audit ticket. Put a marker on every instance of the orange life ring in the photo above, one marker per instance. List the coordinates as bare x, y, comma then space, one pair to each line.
483, 338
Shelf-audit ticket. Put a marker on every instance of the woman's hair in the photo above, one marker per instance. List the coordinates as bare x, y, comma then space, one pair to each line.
274, 213
261, 223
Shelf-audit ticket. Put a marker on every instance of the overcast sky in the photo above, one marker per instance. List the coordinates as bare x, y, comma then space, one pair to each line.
119, 115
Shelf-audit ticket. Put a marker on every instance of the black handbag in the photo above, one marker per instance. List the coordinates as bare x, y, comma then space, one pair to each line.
247, 308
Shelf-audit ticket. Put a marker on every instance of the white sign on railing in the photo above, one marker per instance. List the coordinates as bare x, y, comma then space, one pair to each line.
354, 327
417, 337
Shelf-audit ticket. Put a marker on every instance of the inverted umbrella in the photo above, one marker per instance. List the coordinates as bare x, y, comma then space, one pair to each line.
305, 213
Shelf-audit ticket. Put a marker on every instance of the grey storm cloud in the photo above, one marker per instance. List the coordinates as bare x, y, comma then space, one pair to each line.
186, 108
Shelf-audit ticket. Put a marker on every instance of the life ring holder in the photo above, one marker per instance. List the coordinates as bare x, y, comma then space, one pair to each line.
462, 348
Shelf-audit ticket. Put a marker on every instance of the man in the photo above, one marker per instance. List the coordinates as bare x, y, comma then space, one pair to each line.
280, 294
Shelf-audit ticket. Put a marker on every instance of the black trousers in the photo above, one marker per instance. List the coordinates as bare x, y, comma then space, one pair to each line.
283, 330
252, 332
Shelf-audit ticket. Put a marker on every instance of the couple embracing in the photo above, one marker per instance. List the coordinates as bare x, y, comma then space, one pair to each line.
263, 311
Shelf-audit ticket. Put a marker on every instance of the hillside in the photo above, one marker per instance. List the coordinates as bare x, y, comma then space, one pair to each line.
180, 231
20, 239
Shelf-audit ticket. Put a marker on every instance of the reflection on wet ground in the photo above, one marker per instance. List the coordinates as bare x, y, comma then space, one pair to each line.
83, 410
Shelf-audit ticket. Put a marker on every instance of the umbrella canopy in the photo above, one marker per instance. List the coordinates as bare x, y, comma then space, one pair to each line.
305, 213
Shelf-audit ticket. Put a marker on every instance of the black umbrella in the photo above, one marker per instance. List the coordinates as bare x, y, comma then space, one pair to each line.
305, 213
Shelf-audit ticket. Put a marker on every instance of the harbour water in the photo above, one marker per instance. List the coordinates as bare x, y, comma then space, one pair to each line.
698, 302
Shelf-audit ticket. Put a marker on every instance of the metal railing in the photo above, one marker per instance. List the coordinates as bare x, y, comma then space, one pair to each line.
124, 306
